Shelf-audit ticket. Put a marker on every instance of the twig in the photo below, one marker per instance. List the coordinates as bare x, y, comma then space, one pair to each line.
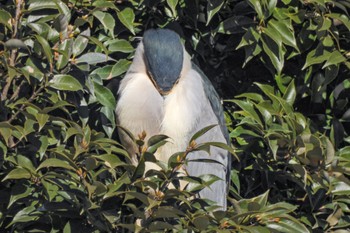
34, 95
16, 93
14, 51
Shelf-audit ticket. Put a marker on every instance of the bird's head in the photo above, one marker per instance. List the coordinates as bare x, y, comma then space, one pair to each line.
164, 55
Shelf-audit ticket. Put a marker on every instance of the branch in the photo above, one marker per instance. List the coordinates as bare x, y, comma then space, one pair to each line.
16, 93
14, 51
34, 95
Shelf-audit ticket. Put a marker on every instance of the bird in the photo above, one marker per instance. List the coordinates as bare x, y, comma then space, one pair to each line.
164, 92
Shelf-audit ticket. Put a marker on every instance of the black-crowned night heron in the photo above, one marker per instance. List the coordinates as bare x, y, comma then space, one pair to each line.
163, 92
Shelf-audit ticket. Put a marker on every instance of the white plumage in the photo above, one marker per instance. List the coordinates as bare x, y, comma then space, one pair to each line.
179, 114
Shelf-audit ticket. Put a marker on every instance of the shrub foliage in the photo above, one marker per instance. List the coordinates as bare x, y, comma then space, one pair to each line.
281, 66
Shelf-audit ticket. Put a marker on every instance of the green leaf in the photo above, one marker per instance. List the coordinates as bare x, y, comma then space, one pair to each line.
104, 96
127, 17
104, 72
25, 162
334, 59
286, 32
261, 199
107, 21
249, 110
235, 25
155, 142
18, 173
61, 24
172, 4
222, 146
120, 45
18, 192
108, 121
93, 58
203, 181
15, 44
201, 132
160, 226
43, 146
287, 225
99, 44
110, 160
65, 82
213, 6
42, 120
27, 214
64, 50
46, 48
6, 131
272, 45
168, 212
290, 93
341, 17
53, 162
79, 45
110, 71
250, 42
137, 196
201, 222
140, 169
256, 4
64, 9
316, 56
5, 18
120, 67
41, 5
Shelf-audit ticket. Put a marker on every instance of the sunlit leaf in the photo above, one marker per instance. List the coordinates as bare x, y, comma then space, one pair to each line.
46, 48
93, 58
106, 19
18, 173
213, 6
65, 83
127, 17
104, 96
53, 162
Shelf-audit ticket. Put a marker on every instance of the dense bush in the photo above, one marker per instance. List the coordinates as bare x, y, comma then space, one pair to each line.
281, 66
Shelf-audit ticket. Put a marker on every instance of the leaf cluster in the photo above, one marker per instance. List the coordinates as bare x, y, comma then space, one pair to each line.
62, 168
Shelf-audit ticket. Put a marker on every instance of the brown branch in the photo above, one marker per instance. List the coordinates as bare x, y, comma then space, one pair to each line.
17, 17
6, 89
31, 99
16, 93
14, 51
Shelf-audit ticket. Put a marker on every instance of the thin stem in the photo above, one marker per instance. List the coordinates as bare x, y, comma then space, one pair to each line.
13, 55
31, 99
16, 93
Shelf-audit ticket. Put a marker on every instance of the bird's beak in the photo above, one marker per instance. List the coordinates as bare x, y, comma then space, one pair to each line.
163, 85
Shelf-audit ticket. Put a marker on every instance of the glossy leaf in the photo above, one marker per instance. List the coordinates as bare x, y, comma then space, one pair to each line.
120, 46
106, 19
5, 18
15, 44
213, 6
46, 48
127, 17
53, 162
65, 83
79, 45
93, 58
104, 96
172, 4
18, 173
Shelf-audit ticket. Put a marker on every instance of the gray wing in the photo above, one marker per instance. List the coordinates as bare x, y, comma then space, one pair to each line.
214, 100
220, 188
